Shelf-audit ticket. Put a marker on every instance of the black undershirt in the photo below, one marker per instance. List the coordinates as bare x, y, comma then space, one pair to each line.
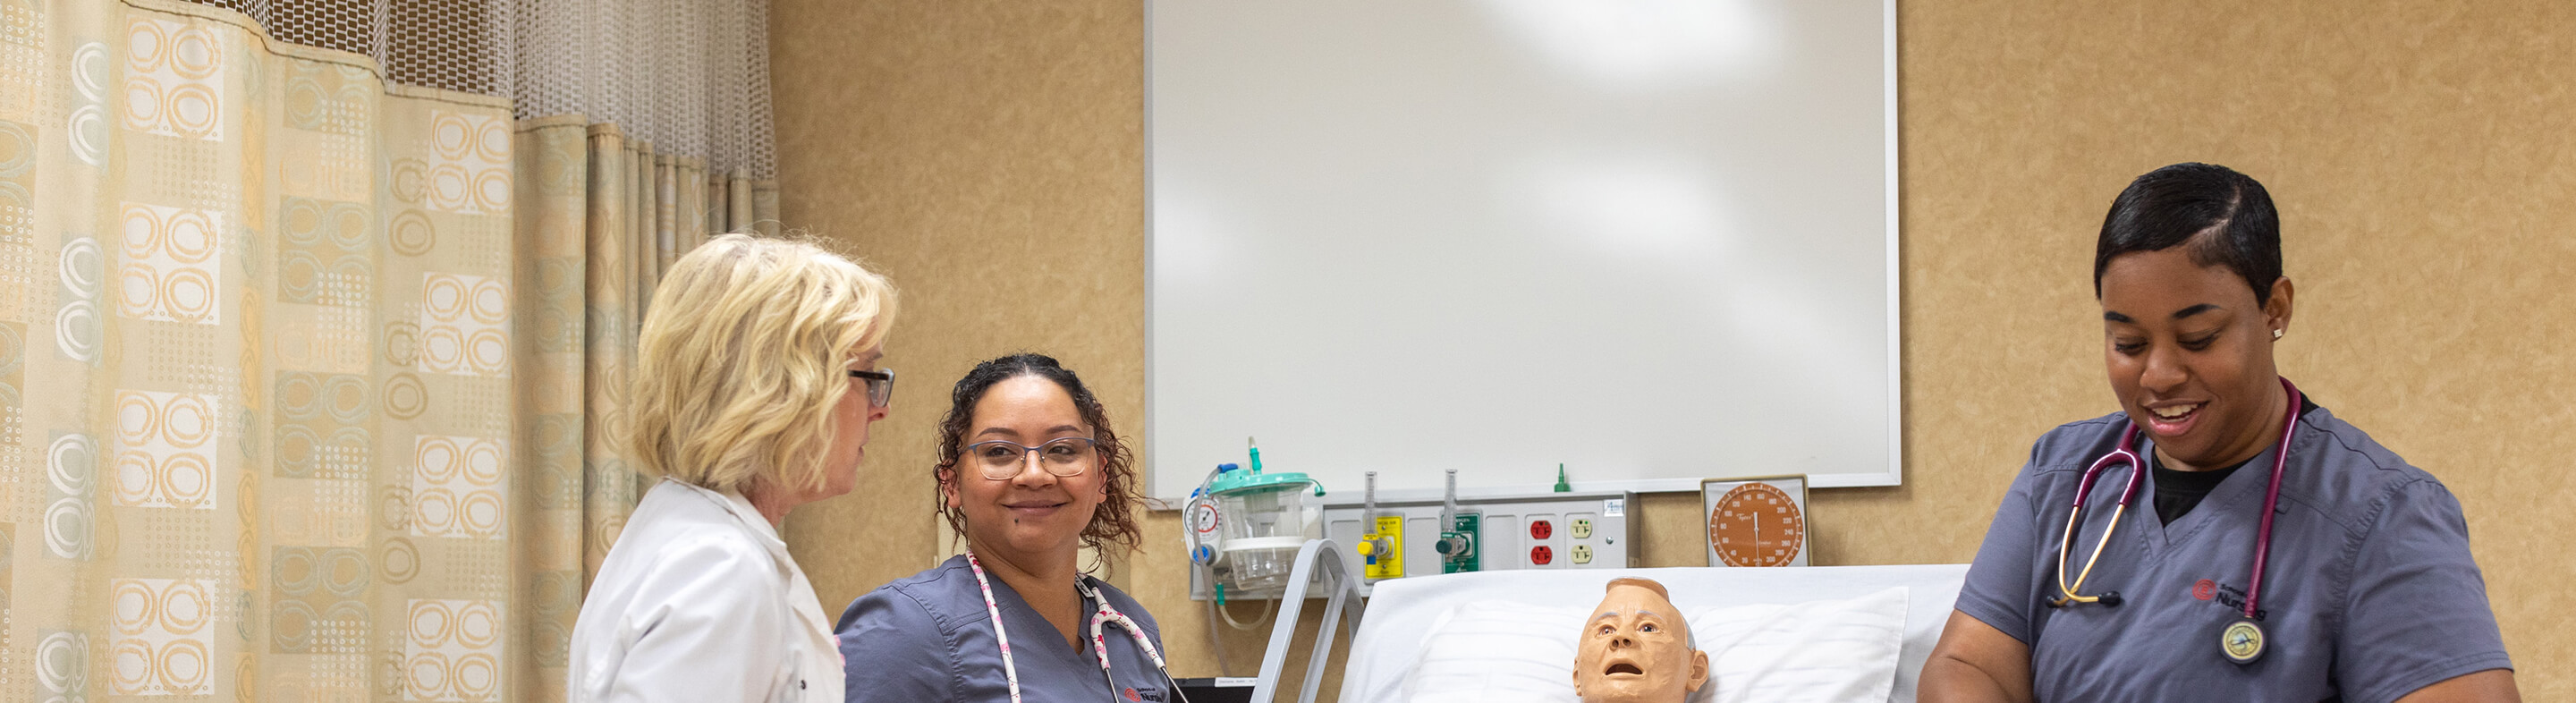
2177, 492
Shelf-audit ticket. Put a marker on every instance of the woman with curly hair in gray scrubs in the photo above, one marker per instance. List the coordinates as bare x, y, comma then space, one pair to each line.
1030, 473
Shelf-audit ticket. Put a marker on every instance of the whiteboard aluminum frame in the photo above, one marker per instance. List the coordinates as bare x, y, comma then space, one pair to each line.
1893, 476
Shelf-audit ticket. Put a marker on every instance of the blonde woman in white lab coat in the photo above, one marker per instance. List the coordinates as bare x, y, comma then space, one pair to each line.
755, 382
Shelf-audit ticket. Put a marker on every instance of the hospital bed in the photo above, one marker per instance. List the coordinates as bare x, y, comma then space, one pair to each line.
1783, 626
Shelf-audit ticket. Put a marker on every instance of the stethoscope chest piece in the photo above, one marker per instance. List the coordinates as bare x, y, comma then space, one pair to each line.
2242, 641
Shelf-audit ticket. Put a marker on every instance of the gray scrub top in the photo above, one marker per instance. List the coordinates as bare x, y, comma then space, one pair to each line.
2370, 592
928, 637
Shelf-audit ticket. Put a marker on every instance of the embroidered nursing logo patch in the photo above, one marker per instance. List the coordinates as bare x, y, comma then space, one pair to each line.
2227, 596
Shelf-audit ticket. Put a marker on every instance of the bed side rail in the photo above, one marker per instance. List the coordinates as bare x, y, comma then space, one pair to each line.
1319, 563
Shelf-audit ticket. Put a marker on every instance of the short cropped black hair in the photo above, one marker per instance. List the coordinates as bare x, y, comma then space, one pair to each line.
2224, 216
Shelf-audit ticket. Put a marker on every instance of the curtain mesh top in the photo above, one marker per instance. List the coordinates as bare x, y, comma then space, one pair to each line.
690, 76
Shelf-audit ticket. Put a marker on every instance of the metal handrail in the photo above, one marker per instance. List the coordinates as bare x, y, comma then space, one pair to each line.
1341, 580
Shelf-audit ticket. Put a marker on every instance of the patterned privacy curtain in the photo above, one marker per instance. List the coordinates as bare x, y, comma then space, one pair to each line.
310, 384
600, 217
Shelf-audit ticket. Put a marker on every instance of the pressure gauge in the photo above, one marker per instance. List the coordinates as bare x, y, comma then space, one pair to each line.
1757, 522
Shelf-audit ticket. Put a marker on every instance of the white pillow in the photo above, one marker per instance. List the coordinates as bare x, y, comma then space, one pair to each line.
1824, 650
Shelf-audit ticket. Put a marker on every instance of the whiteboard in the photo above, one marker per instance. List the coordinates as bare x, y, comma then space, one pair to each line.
1654, 240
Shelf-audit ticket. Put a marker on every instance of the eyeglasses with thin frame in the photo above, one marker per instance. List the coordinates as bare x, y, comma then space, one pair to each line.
880, 386
1066, 457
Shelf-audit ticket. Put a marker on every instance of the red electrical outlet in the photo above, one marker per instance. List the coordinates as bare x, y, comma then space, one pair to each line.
1540, 529
1541, 554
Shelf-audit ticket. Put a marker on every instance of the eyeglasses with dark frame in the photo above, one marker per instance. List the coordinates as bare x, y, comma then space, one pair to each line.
1067, 457
880, 386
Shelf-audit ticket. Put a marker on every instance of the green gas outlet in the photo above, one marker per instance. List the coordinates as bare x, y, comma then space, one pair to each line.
1458, 551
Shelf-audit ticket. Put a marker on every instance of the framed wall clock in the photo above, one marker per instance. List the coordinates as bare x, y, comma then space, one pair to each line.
1756, 521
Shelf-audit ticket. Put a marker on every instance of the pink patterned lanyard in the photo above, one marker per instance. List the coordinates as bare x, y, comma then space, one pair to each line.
1010, 670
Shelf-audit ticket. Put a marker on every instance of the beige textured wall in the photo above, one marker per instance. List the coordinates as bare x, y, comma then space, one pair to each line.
989, 156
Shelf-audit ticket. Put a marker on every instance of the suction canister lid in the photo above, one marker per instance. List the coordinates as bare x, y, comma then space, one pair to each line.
1259, 482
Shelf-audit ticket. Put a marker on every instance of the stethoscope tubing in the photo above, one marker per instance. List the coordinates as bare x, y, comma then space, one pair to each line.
2126, 453
2272, 500
1099, 645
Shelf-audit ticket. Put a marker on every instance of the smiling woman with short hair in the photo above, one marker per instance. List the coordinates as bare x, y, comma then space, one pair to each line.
2279, 555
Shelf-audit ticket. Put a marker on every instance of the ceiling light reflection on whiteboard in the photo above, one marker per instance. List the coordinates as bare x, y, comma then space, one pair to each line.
1641, 209
1648, 41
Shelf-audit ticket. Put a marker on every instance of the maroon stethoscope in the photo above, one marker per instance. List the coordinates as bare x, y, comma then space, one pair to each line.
2241, 641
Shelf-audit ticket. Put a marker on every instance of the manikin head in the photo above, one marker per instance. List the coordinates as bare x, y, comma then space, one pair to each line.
1637, 649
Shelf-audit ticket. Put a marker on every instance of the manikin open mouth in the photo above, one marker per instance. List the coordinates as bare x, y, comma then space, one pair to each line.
1623, 668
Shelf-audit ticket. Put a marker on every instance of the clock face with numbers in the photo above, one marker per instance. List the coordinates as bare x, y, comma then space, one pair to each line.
1756, 524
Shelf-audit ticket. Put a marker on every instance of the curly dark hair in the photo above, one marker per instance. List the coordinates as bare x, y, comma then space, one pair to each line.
1115, 521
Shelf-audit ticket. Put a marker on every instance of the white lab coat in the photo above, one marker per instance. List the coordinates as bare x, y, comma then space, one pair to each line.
698, 601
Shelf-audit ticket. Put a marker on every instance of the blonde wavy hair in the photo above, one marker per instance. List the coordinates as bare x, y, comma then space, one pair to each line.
743, 356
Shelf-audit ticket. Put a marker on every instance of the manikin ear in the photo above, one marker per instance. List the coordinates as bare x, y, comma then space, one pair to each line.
1698, 673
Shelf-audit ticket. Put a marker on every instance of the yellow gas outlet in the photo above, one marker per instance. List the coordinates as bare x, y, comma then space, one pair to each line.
1386, 555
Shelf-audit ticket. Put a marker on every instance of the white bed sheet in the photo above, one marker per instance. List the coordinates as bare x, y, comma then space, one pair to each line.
1401, 612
